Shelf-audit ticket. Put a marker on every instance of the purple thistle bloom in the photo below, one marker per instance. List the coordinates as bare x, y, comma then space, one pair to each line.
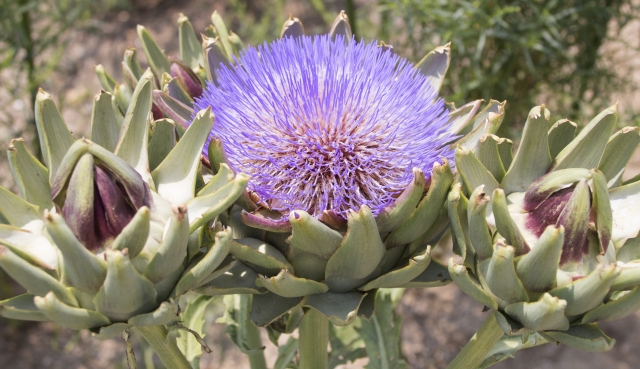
321, 124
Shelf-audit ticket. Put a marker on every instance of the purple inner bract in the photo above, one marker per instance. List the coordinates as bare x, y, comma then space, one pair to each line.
324, 124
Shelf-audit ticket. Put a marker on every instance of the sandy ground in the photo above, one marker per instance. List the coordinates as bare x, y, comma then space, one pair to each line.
437, 322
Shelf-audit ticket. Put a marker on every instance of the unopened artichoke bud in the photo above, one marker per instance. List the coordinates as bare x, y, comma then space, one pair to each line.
98, 239
187, 79
540, 232
99, 195
346, 196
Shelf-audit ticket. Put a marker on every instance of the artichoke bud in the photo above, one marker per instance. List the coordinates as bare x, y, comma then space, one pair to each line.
187, 79
572, 254
98, 200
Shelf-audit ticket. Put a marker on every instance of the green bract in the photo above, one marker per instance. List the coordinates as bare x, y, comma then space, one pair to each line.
548, 235
110, 230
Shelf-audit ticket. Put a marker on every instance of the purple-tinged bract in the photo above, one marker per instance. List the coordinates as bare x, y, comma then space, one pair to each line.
324, 124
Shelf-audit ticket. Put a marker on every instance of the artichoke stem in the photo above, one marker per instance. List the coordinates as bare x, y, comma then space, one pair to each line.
475, 351
313, 340
253, 339
167, 350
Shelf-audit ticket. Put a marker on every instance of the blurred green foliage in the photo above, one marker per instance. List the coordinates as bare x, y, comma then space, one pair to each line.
33, 37
522, 51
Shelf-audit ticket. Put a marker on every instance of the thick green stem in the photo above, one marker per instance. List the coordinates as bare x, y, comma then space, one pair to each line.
473, 354
167, 350
313, 340
252, 338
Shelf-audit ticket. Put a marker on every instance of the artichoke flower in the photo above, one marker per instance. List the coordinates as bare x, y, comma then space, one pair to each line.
348, 148
394, 204
548, 236
98, 239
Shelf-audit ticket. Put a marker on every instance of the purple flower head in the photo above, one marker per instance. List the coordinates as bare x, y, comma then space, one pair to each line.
321, 124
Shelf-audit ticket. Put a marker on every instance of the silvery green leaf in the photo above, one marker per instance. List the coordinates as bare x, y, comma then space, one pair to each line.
470, 285
21, 307
501, 276
311, 235
473, 172
292, 27
340, 308
162, 142
35, 249
457, 206
133, 140
508, 346
402, 274
533, 157
104, 125
265, 258
135, 234
586, 150
166, 312
506, 225
341, 27
268, 307
359, 254
204, 208
81, 268
538, 268
108, 332
29, 218
69, 316
461, 117
190, 50
488, 154
403, 206
586, 337
238, 278
55, 138
587, 293
560, 135
35, 280
617, 154
173, 248
428, 209
106, 81
125, 292
175, 177
435, 65
31, 177
193, 277
222, 32
479, 234
287, 285
625, 202
545, 314
155, 56
435, 275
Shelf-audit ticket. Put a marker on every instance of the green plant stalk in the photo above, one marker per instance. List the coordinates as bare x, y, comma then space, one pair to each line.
166, 349
313, 340
474, 352
252, 338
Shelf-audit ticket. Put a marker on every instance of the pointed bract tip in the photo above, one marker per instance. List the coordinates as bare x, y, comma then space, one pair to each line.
182, 18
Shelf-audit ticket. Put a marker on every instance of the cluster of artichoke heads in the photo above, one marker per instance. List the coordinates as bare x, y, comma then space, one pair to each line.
111, 230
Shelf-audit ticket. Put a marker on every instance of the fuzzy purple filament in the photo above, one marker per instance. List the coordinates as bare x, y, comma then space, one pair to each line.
324, 124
